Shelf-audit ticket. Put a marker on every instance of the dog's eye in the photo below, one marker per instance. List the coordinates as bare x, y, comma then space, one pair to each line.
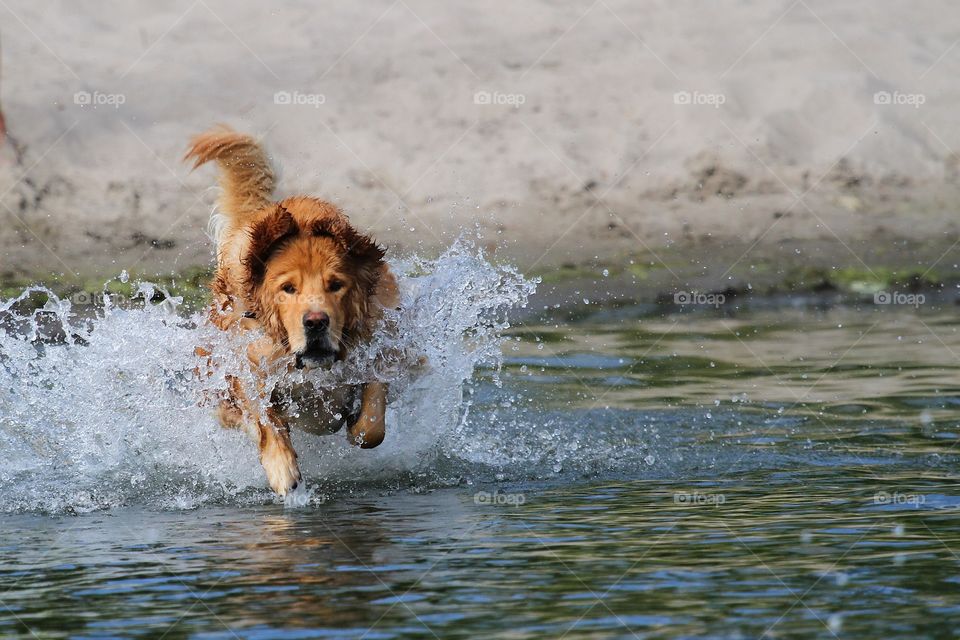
335, 285
289, 288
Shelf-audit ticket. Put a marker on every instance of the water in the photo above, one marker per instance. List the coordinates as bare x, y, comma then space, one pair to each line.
107, 411
783, 471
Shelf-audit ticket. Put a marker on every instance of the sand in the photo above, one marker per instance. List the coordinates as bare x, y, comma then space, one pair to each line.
698, 139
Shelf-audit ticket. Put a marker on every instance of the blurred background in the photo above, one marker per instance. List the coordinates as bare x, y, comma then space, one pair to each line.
776, 145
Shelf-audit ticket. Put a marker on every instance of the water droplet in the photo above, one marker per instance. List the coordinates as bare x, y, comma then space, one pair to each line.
835, 622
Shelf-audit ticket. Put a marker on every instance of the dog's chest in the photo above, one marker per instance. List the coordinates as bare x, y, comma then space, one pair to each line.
318, 411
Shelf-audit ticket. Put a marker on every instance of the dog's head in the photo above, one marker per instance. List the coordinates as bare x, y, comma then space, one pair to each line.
310, 280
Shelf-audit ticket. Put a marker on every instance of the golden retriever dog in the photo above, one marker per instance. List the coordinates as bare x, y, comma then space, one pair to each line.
316, 287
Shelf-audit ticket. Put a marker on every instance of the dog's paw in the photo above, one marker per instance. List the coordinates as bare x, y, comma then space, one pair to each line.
367, 433
280, 464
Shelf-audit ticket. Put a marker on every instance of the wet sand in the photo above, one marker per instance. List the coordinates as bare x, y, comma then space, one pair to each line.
711, 145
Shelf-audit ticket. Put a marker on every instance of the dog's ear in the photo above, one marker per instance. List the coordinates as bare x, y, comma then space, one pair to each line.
266, 236
365, 258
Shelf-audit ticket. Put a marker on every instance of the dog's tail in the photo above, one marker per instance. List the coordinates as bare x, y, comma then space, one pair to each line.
246, 177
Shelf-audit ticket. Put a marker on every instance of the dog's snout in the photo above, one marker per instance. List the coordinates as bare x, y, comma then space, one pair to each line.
316, 320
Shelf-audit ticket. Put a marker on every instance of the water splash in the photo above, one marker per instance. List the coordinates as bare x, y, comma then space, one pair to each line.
105, 411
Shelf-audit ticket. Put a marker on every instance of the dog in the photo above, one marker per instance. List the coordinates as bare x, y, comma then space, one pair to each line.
300, 273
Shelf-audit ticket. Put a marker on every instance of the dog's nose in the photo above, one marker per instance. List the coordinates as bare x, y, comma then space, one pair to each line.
316, 320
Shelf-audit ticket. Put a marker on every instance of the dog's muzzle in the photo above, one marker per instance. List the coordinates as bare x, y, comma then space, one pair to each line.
319, 350
311, 358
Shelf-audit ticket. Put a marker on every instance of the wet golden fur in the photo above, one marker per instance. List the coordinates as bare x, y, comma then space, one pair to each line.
277, 263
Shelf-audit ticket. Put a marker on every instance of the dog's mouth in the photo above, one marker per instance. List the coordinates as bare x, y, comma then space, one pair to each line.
316, 354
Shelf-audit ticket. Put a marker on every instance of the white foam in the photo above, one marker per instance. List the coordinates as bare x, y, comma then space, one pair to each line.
113, 415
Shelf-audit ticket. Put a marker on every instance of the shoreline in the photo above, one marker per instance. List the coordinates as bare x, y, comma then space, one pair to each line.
785, 273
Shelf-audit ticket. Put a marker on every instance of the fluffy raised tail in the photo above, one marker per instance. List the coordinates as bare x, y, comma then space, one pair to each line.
246, 177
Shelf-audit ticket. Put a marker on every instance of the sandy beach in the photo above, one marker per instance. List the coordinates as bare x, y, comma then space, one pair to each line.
707, 144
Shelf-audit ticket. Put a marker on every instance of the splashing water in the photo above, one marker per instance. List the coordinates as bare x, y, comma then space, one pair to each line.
107, 411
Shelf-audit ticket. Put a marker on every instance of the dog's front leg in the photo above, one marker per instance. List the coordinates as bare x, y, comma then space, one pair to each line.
277, 456
370, 428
